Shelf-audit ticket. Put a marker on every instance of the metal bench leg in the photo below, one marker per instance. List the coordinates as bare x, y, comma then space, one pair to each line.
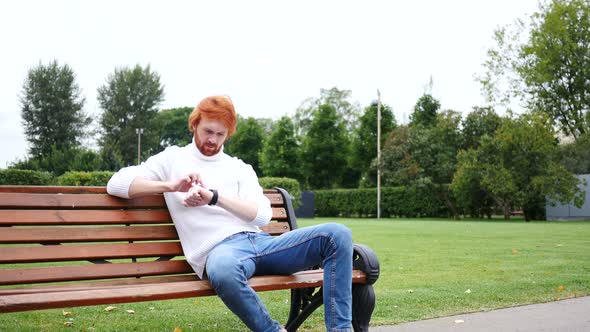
303, 303
363, 303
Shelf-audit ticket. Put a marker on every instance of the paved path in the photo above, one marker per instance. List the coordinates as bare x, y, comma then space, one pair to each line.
571, 315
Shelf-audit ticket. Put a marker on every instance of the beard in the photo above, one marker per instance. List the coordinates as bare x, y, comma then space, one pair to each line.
207, 149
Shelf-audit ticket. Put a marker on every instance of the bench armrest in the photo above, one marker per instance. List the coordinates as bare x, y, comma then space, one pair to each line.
365, 259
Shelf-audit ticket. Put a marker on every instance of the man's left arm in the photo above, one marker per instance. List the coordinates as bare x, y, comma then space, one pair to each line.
250, 206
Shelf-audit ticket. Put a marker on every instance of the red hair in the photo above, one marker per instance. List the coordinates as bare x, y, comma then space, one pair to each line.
214, 108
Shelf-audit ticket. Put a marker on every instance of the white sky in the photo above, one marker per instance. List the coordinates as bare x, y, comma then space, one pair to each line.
269, 56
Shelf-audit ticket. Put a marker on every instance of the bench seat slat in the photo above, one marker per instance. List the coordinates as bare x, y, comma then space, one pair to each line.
98, 284
87, 234
153, 292
56, 253
92, 272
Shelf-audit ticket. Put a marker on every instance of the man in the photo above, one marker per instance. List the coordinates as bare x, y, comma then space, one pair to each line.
217, 206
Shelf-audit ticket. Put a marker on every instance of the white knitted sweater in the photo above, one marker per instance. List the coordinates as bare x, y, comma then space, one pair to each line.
200, 228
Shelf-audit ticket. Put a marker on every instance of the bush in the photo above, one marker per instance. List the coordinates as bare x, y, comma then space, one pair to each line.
291, 185
99, 178
13, 176
395, 202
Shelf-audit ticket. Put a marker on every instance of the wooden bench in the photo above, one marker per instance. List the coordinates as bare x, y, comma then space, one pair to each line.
99, 249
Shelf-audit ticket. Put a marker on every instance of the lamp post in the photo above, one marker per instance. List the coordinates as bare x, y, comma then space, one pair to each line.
139, 131
378, 153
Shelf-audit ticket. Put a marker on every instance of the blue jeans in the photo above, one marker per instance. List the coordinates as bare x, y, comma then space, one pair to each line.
243, 255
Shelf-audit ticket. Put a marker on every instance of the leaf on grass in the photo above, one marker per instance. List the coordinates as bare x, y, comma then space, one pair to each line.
561, 288
110, 308
67, 313
177, 329
514, 251
68, 323
130, 311
152, 308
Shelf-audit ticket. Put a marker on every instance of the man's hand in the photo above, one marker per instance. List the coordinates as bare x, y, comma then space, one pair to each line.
197, 196
184, 184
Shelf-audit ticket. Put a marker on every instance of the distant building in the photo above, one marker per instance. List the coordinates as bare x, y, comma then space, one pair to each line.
570, 211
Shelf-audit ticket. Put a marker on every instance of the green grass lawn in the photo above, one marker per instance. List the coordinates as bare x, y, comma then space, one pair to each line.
429, 268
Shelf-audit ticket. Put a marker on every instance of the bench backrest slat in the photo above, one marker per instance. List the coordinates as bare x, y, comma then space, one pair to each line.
87, 234
91, 235
83, 217
95, 217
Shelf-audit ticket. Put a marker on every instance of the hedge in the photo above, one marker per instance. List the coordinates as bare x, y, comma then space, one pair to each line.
291, 185
98, 178
395, 202
25, 177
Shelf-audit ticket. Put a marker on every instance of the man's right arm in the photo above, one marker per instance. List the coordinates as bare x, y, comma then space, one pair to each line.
137, 181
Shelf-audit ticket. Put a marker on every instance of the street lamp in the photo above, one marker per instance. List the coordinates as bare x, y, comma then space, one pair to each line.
378, 152
139, 131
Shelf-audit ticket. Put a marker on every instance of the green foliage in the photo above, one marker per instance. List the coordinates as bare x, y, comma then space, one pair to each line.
479, 122
548, 69
172, 125
417, 155
13, 176
425, 110
84, 178
129, 100
325, 149
410, 201
575, 156
61, 161
52, 109
290, 185
517, 167
364, 150
247, 143
556, 61
280, 155
347, 111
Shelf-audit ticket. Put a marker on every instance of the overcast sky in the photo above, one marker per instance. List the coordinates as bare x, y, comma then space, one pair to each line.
269, 56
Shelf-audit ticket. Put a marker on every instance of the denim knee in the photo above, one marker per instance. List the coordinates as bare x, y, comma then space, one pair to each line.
341, 235
224, 273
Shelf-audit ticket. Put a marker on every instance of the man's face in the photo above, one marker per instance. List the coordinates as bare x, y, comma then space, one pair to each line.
210, 136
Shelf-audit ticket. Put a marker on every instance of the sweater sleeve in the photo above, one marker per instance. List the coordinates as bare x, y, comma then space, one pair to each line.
250, 189
152, 169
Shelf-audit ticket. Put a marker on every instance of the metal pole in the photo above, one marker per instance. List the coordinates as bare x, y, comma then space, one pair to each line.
378, 154
139, 131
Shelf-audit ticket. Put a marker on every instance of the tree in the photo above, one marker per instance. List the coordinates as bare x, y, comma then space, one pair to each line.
247, 143
550, 70
281, 151
52, 109
517, 167
425, 111
129, 100
479, 122
364, 151
575, 156
325, 149
172, 126
347, 111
